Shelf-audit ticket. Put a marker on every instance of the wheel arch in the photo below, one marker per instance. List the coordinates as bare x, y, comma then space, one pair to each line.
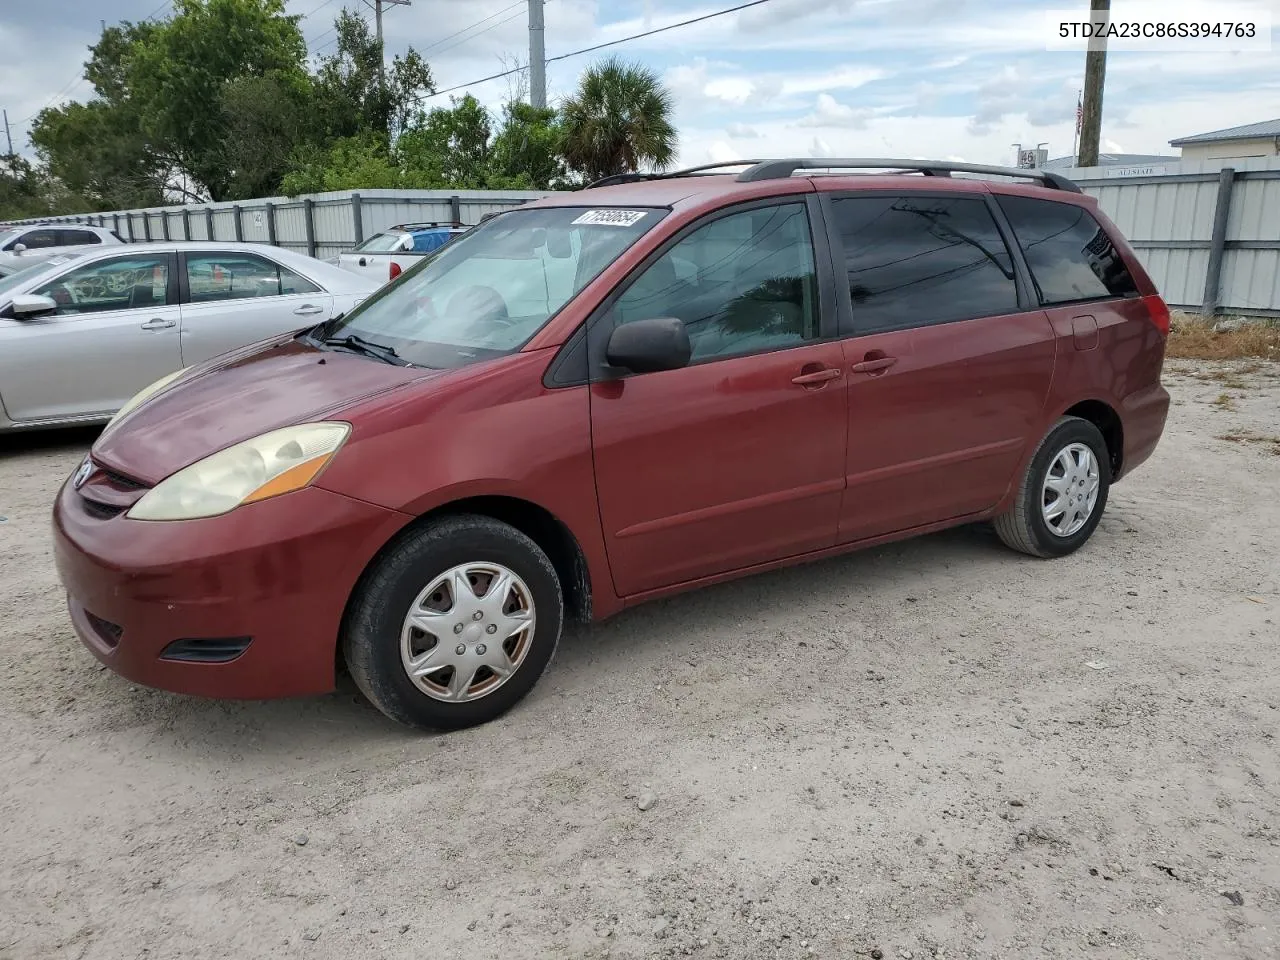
536, 522
1103, 416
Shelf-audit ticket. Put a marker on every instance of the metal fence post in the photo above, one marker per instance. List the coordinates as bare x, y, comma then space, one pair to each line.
186, 224
309, 218
115, 221
164, 222
146, 225
455, 210
1218, 243
357, 218
208, 223
236, 215
271, 223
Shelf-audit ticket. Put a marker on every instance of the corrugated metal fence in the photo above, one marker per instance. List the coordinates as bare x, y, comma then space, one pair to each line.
1208, 233
321, 225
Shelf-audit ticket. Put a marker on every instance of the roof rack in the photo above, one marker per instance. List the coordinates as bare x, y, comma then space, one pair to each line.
781, 169
687, 172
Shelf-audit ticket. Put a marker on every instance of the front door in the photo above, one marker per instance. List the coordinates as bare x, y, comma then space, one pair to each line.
738, 458
949, 365
235, 298
115, 331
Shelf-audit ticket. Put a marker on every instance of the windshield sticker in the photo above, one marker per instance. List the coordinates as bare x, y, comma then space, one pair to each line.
611, 218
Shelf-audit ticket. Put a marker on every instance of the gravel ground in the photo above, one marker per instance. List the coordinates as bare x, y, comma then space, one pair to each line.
936, 748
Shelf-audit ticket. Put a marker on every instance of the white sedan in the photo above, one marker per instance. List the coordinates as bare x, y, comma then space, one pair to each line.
83, 331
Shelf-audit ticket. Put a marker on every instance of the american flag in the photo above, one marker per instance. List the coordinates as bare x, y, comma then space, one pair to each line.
1079, 113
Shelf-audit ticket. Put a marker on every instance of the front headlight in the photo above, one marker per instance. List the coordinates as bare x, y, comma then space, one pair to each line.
266, 466
145, 394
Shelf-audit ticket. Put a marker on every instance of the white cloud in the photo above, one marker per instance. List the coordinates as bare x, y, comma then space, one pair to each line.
829, 112
819, 148
741, 131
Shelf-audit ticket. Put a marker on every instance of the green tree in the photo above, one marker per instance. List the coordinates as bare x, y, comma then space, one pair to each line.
98, 149
27, 191
449, 147
265, 119
178, 72
526, 151
351, 163
617, 121
349, 99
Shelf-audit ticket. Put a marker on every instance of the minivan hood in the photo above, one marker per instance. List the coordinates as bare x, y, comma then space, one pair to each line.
239, 396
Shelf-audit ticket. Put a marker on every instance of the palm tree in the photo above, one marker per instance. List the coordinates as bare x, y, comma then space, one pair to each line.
618, 120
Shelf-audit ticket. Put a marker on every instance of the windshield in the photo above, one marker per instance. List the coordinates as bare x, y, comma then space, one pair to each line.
7, 235
383, 242
30, 270
487, 292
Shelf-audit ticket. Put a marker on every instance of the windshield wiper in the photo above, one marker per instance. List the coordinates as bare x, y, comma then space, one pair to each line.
360, 345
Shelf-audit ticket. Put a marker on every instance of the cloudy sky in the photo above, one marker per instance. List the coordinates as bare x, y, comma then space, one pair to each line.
938, 78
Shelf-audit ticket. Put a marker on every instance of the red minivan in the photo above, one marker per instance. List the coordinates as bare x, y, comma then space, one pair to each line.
609, 396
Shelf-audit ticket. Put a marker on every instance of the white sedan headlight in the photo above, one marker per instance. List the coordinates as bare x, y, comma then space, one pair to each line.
267, 466
145, 394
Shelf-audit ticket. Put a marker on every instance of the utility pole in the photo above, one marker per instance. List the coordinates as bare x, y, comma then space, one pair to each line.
1095, 76
537, 57
377, 16
7, 135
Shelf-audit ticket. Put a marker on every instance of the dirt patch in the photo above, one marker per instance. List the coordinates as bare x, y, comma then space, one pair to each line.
934, 748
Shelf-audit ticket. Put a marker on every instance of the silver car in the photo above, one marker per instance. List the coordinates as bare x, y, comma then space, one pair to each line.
83, 331
39, 239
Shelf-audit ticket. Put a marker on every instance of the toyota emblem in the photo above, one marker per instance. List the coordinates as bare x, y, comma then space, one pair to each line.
82, 474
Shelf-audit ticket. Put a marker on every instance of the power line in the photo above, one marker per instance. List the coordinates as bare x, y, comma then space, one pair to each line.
650, 33
518, 13
76, 81
598, 46
316, 10
518, 3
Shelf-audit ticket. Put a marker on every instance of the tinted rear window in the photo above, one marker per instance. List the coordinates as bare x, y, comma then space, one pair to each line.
914, 261
1070, 255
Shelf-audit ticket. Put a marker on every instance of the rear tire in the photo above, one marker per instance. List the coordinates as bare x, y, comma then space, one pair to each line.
1058, 505
462, 597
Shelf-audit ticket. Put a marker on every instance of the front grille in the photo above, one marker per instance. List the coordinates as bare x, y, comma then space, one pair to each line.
108, 632
100, 511
120, 480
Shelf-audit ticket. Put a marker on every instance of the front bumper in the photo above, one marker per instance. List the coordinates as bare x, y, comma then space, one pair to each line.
276, 573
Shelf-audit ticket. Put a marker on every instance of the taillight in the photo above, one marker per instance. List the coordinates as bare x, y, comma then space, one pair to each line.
1158, 310
395, 272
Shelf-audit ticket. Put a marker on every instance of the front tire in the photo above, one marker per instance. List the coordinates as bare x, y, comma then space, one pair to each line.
1062, 494
454, 624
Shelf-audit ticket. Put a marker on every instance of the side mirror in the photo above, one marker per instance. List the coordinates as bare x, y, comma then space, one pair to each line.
19, 247
28, 306
647, 346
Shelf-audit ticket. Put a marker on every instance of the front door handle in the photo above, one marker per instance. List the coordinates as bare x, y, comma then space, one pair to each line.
308, 310
159, 323
875, 366
815, 378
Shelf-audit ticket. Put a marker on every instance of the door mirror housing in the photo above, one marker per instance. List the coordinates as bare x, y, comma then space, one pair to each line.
647, 346
19, 247
28, 306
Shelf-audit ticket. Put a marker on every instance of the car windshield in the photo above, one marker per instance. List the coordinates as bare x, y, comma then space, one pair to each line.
29, 270
7, 235
382, 242
487, 292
